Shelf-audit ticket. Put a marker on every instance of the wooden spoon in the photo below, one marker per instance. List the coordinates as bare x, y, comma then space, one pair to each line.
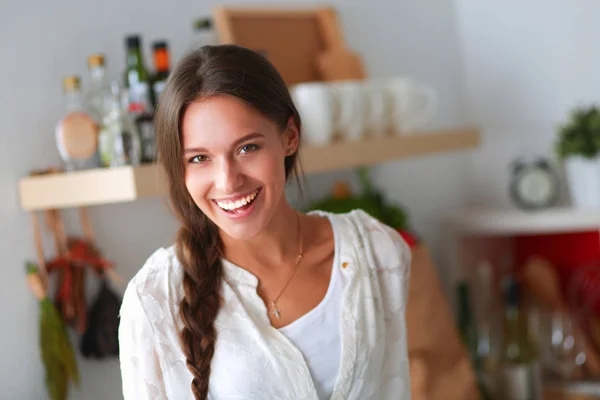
540, 276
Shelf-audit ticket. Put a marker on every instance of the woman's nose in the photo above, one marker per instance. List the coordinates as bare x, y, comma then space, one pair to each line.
228, 177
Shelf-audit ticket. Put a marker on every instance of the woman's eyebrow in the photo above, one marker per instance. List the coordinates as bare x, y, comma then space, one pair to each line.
250, 136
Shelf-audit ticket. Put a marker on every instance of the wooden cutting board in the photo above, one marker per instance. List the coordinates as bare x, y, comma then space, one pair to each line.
340, 64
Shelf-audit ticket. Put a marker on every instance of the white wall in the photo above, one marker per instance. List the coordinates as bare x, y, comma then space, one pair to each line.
42, 42
526, 64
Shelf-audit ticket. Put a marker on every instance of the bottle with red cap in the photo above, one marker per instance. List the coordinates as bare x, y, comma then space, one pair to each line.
162, 68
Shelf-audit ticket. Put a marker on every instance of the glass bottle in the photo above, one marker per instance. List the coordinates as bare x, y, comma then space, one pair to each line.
76, 131
137, 82
99, 87
468, 331
203, 33
520, 373
162, 67
119, 137
489, 319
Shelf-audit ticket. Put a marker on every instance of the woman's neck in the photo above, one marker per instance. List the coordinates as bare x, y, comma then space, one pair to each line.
280, 237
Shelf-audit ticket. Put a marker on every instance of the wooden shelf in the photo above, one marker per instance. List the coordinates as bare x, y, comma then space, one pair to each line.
343, 155
91, 187
122, 184
513, 222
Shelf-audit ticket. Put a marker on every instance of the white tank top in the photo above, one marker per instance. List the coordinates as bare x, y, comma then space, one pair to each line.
317, 335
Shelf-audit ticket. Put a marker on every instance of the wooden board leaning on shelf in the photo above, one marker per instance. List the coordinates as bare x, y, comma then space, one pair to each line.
123, 184
313, 32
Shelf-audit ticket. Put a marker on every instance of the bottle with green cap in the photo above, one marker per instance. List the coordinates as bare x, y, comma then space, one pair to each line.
137, 83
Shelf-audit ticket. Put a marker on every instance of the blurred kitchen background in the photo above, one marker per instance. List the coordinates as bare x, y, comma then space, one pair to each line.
507, 76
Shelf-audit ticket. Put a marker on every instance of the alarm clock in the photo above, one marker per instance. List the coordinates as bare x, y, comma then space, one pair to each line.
534, 184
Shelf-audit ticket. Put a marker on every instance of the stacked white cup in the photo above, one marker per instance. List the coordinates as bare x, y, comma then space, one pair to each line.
357, 109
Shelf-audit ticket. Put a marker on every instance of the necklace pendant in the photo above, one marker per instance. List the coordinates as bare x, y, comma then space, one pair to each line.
276, 311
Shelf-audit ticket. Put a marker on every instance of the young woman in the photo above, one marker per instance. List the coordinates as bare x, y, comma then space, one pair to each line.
256, 300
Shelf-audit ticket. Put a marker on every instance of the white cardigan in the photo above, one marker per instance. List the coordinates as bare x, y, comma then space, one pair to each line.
253, 360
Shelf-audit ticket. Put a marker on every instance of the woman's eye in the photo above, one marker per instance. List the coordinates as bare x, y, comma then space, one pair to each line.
248, 148
197, 159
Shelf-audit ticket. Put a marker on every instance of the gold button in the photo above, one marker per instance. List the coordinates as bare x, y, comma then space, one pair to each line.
345, 265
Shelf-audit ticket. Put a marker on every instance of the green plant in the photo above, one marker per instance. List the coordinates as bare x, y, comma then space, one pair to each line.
580, 135
369, 200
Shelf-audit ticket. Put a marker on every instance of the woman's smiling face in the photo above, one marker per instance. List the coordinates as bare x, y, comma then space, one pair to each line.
234, 163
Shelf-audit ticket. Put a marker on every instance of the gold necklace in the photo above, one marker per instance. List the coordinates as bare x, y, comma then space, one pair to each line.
276, 311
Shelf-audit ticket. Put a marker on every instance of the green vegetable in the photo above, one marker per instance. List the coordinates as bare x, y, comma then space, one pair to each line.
369, 200
57, 353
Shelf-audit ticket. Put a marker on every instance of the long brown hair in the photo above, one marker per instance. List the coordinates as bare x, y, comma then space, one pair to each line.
209, 71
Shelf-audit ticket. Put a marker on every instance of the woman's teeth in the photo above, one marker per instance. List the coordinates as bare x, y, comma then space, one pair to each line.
233, 205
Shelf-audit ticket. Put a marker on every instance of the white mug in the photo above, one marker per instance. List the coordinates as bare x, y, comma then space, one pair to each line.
314, 103
415, 104
380, 107
349, 107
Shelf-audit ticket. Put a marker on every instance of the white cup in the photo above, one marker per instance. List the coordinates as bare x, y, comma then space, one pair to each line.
349, 108
415, 104
314, 103
380, 107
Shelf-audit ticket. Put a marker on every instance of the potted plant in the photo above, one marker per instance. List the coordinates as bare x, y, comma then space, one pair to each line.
371, 201
578, 145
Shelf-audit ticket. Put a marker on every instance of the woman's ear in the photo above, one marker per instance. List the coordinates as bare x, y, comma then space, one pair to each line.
291, 137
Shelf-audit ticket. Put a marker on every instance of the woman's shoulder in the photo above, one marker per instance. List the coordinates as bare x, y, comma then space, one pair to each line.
387, 247
158, 277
